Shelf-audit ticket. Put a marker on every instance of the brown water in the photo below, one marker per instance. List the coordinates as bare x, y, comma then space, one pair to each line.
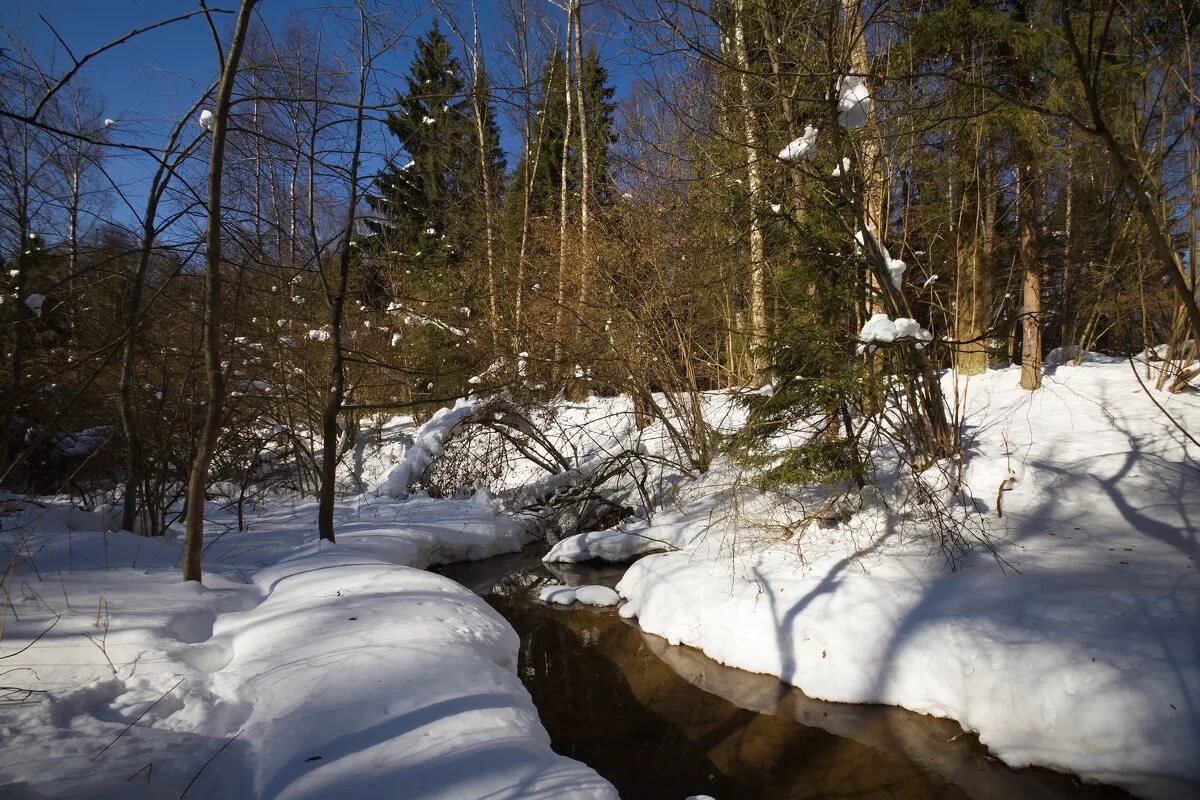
663, 722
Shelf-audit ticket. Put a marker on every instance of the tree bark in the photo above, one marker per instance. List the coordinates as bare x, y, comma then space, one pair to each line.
585, 186
485, 177
198, 478
1029, 263
559, 334
974, 245
337, 306
758, 308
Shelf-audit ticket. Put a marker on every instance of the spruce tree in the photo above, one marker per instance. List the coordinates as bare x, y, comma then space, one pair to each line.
549, 130
424, 205
601, 125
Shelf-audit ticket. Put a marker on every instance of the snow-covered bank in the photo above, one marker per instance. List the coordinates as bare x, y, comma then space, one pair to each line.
612, 546
1087, 660
300, 669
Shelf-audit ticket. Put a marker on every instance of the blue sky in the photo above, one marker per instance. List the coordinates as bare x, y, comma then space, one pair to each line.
146, 83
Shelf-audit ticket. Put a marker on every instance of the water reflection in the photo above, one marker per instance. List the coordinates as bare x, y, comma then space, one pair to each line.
665, 722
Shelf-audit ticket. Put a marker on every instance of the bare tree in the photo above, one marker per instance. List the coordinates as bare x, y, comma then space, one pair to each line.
758, 304
218, 123
335, 294
1129, 162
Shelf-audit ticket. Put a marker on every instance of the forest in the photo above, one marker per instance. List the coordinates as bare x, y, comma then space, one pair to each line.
842, 303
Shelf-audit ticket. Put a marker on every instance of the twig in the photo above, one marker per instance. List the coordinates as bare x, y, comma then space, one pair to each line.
102, 647
210, 760
57, 617
1154, 400
148, 769
135, 719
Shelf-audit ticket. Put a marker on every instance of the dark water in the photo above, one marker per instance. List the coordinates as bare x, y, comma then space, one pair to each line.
663, 722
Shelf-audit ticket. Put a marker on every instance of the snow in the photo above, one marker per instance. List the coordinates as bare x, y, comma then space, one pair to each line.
34, 303
802, 147
881, 328
492, 369
909, 329
302, 670
612, 546
841, 169
426, 446
1085, 660
414, 318
1068, 353
596, 596
558, 595
108, 123
854, 102
207, 120
587, 595
1161, 351
80, 443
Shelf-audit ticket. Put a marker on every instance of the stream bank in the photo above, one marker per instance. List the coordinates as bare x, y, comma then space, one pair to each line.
664, 722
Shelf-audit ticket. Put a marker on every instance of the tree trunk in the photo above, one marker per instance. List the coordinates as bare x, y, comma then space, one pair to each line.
485, 178
198, 478
585, 185
1028, 262
337, 305
974, 251
758, 308
555, 367
871, 154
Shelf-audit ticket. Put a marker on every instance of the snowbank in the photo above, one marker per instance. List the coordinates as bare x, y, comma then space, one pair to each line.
1087, 660
612, 546
302, 670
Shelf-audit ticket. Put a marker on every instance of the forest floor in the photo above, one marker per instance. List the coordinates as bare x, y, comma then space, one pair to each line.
1075, 645
299, 669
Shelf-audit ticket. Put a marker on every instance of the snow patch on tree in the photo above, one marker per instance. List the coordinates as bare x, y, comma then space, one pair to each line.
426, 446
802, 147
854, 102
882, 329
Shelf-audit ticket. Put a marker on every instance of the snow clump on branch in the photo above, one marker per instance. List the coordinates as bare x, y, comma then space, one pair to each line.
800, 148
880, 328
854, 102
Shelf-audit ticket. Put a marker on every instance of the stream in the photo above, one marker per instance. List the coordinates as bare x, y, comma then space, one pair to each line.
663, 722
